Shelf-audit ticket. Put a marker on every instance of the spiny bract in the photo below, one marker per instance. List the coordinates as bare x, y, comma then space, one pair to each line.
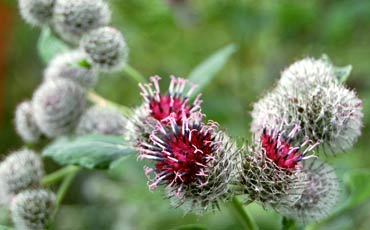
272, 168
320, 195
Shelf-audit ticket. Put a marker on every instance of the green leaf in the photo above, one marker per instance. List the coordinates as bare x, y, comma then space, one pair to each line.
207, 70
341, 73
49, 45
90, 151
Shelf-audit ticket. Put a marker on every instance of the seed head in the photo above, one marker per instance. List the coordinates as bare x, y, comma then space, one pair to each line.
73, 18
33, 209
36, 12
70, 66
194, 161
57, 106
25, 123
272, 170
320, 195
158, 107
106, 49
21, 170
101, 120
331, 115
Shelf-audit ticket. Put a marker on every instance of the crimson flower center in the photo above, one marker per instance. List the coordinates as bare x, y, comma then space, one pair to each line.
185, 157
167, 105
280, 151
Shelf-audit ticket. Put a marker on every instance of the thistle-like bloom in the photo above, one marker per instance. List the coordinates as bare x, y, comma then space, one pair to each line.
194, 161
158, 107
73, 18
331, 115
72, 66
21, 170
33, 209
106, 49
25, 123
272, 171
57, 106
36, 12
319, 197
101, 120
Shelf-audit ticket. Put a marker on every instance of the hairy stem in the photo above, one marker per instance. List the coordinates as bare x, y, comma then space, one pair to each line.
243, 215
134, 74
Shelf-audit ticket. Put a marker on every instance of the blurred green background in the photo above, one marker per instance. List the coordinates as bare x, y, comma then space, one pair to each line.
171, 37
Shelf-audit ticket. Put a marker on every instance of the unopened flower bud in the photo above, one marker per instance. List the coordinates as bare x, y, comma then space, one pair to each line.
25, 123
306, 74
36, 12
106, 48
73, 66
21, 170
73, 18
101, 120
33, 209
57, 106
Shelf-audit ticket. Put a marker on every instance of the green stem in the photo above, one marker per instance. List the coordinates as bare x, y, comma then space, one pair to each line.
134, 74
243, 215
99, 100
64, 187
58, 175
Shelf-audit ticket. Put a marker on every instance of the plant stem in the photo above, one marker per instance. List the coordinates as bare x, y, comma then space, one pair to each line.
243, 215
58, 175
64, 187
134, 74
99, 100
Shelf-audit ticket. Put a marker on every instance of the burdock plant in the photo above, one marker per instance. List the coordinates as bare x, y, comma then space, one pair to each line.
195, 161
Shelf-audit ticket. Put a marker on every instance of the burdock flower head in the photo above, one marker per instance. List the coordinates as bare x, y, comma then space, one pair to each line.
158, 107
320, 195
195, 162
272, 171
330, 114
